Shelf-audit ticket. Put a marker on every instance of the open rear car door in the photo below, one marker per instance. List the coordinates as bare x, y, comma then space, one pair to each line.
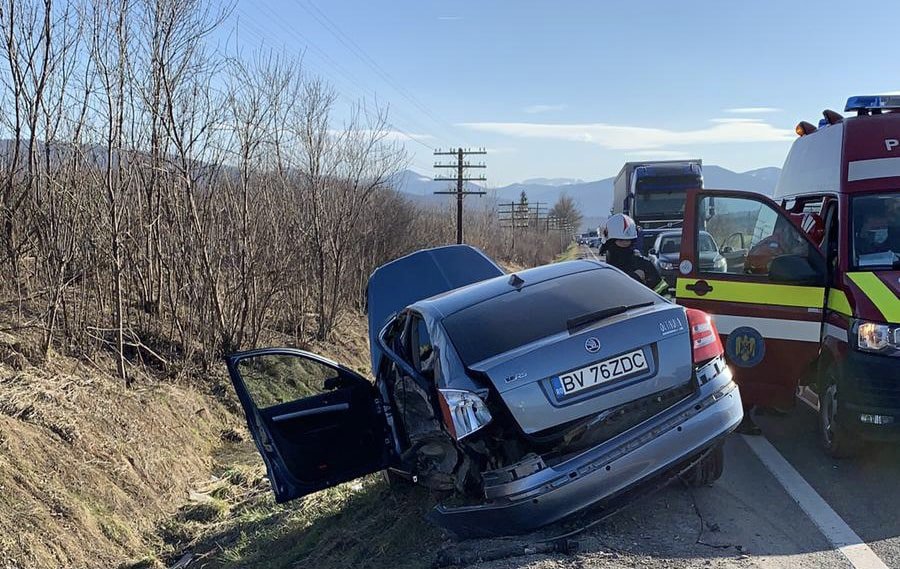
767, 303
315, 423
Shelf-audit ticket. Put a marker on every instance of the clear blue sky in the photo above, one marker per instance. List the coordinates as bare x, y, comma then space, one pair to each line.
574, 89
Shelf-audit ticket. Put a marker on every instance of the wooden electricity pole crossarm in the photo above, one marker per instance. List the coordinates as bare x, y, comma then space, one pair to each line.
461, 165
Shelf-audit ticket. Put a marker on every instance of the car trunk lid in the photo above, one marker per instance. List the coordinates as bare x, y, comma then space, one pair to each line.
596, 368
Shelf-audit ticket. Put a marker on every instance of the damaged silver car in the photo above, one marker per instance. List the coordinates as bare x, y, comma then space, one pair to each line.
527, 397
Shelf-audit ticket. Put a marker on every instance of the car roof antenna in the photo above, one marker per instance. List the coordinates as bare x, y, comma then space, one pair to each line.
516, 281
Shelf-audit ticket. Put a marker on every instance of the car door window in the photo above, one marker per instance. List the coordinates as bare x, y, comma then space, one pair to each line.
314, 422
422, 349
394, 334
273, 379
763, 233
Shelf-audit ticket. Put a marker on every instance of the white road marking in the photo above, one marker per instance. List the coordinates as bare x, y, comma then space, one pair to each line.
835, 529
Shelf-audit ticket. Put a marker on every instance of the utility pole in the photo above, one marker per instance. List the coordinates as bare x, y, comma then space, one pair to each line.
461, 165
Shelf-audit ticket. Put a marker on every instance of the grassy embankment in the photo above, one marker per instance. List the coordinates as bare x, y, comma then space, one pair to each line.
96, 475
570, 254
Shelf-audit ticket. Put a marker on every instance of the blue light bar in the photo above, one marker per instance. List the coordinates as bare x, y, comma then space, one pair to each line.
869, 102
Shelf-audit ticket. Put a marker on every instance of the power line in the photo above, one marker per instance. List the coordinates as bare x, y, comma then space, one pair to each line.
332, 63
340, 69
351, 45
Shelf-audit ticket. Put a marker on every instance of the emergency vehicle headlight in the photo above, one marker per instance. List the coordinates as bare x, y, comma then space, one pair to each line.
875, 337
867, 102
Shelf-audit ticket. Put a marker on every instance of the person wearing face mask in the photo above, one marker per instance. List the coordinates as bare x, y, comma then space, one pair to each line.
876, 235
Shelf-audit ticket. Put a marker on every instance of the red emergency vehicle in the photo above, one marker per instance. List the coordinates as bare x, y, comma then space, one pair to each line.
809, 303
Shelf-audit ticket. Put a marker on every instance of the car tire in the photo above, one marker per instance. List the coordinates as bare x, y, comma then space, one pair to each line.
835, 441
708, 469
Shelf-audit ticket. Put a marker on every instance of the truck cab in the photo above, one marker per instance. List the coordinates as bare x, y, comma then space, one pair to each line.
653, 194
809, 303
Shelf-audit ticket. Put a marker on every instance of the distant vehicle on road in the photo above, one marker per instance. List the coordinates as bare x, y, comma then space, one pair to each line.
666, 252
653, 192
585, 238
530, 396
811, 294
594, 243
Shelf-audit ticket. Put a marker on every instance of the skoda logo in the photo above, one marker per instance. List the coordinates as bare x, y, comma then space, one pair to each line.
592, 345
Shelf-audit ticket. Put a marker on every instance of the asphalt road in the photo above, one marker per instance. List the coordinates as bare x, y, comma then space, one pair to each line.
752, 517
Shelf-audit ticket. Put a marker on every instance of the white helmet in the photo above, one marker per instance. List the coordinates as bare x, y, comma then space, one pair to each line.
621, 226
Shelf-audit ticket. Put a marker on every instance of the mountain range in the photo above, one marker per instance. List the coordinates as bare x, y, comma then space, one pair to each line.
593, 198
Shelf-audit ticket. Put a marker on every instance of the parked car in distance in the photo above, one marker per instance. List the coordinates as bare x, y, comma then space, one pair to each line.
667, 249
528, 396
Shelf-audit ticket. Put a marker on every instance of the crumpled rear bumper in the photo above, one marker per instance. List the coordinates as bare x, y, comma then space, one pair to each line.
599, 474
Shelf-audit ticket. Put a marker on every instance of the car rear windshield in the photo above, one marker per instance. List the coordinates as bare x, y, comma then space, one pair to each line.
876, 231
536, 311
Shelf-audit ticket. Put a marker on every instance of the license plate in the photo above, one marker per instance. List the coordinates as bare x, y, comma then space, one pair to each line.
598, 373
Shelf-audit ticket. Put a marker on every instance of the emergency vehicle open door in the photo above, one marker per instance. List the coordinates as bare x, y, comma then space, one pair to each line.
766, 301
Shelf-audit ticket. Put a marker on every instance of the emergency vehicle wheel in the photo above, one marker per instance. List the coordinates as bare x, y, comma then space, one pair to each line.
836, 442
709, 469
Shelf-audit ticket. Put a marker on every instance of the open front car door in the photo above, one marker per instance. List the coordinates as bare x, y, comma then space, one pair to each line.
766, 294
315, 423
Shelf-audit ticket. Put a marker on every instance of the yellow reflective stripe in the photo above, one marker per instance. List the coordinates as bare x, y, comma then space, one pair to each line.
837, 301
755, 293
880, 295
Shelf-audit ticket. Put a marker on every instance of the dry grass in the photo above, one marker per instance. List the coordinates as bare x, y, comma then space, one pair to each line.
361, 524
571, 253
88, 467
93, 474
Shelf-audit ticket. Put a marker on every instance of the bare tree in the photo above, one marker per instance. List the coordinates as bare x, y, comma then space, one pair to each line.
566, 210
167, 203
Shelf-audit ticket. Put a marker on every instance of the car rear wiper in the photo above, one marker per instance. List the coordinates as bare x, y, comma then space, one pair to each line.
591, 317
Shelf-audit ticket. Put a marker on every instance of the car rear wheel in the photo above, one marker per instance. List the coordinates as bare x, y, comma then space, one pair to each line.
708, 469
836, 442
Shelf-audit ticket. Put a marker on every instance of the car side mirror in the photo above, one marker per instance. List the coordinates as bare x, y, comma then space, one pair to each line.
795, 269
652, 251
727, 249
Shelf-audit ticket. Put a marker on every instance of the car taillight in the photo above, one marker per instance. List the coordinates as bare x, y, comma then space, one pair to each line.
705, 341
464, 412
